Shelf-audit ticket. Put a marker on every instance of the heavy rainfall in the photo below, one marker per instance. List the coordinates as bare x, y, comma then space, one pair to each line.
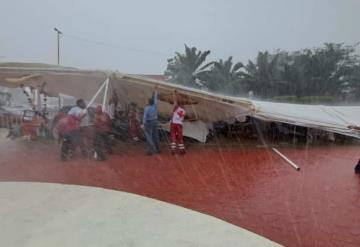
180, 124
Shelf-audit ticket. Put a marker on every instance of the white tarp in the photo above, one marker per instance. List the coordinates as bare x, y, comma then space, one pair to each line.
197, 130
210, 107
84, 84
329, 118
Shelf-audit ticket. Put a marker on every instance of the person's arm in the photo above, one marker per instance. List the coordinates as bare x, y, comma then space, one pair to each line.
175, 99
145, 114
354, 127
155, 97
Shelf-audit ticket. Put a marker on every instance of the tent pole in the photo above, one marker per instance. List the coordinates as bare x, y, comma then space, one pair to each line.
59, 101
105, 94
97, 93
296, 167
37, 99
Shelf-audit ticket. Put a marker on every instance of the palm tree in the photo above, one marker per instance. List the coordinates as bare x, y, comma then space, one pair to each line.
183, 68
262, 75
224, 76
320, 72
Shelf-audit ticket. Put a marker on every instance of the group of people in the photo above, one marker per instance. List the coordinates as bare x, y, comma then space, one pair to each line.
150, 124
74, 131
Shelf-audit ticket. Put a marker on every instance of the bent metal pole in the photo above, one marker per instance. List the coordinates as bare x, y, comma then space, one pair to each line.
105, 94
97, 93
296, 167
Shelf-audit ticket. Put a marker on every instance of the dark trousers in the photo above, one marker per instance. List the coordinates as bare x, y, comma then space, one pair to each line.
152, 136
102, 144
69, 143
357, 168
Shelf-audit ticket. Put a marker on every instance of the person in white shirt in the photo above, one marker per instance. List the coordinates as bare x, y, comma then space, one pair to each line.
79, 111
176, 128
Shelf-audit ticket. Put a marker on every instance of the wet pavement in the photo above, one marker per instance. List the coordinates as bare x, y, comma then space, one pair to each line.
84, 216
250, 187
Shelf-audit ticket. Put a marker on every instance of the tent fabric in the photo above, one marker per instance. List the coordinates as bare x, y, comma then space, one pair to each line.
84, 84
197, 130
209, 107
329, 118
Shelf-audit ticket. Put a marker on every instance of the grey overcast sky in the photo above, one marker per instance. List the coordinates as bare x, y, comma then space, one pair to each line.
138, 36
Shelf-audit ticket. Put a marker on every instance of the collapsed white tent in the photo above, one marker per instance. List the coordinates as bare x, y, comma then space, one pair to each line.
84, 84
207, 107
329, 118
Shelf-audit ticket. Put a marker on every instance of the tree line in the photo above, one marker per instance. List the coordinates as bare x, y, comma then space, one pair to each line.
327, 74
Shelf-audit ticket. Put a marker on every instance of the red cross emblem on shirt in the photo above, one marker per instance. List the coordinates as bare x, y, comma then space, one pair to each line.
180, 113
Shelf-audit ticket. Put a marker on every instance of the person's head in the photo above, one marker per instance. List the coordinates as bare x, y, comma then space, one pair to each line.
150, 101
81, 103
98, 109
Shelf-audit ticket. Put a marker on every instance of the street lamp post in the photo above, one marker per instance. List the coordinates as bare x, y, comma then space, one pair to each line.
58, 44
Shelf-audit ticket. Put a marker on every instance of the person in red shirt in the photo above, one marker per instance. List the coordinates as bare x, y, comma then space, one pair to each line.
69, 134
68, 128
176, 128
103, 130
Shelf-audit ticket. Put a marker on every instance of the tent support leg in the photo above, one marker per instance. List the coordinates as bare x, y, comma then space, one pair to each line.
296, 167
97, 93
105, 94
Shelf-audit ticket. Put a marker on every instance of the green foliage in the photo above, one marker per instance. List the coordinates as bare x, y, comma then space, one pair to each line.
320, 71
324, 74
223, 76
183, 68
263, 75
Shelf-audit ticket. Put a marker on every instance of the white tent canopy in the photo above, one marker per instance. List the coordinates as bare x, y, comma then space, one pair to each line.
208, 107
329, 118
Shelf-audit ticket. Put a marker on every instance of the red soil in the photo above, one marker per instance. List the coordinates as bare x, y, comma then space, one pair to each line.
252, 187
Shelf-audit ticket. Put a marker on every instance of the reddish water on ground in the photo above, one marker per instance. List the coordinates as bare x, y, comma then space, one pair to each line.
252, 187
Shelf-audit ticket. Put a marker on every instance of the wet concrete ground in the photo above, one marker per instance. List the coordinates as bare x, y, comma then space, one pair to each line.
251, 187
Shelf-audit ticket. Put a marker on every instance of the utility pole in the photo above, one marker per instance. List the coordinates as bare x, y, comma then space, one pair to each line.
58, 44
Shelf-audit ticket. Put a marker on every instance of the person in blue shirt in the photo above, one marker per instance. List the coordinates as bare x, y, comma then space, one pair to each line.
150, 122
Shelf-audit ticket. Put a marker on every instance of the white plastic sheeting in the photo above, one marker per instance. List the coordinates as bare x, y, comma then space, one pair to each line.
197, 130
329, 118
84, 84
210, 107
